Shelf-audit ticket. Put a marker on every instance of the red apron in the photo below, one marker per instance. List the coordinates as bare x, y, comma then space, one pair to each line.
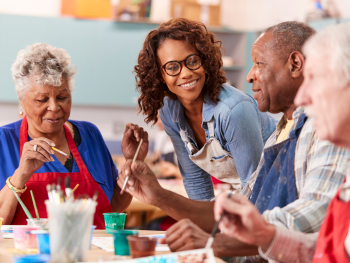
37, 183
330, 243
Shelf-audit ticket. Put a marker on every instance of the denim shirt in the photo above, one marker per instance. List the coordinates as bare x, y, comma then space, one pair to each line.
239, 126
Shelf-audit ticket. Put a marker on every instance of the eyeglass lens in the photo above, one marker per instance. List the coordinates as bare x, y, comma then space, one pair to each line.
192, 62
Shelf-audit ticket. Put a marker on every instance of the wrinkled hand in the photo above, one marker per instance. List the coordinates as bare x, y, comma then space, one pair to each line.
243, 221
32, 160
131, 138
185, 235
142, 183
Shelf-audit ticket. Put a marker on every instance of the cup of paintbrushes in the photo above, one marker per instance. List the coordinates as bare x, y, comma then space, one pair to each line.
70, 230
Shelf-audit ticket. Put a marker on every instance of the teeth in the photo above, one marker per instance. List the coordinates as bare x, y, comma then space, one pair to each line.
188, 84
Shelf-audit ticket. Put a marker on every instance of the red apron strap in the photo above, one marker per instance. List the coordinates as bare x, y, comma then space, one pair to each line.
23, 134
74, 150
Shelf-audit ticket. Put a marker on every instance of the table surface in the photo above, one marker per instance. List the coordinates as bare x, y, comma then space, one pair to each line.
94, 253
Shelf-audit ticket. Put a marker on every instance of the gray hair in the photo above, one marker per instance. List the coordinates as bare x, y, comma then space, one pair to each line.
49, 64
333, 44
289, 36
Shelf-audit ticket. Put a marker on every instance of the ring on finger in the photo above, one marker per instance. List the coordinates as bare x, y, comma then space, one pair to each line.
35, 147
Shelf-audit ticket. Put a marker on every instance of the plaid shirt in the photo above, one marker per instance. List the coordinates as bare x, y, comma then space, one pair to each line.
291, 246
320, 168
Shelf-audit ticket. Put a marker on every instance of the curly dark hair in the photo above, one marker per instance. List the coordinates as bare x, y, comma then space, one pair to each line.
148, 72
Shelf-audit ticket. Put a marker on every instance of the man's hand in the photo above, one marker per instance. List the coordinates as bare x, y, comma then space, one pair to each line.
243, 221
185, 235
131, 138
142, 183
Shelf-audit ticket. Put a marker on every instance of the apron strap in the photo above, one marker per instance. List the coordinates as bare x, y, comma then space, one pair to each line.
74, 150
187, 142
71, 144
211, 128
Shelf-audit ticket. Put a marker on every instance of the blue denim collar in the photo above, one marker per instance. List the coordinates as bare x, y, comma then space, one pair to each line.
208, 110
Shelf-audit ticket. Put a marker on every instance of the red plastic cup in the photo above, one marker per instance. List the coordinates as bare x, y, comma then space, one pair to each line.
142, 246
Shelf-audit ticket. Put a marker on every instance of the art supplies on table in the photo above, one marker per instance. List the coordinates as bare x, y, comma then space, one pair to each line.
106, 243
70, 229
190, 256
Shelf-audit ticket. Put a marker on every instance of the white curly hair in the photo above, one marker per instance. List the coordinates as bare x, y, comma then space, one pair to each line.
49, 64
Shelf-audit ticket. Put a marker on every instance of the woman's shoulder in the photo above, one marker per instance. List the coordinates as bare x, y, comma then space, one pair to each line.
84, 125
11, 128
231, 96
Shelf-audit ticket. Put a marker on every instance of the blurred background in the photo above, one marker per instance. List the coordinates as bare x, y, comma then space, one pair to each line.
104, 38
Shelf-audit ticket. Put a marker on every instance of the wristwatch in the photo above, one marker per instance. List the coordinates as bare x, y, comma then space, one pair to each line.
21, 191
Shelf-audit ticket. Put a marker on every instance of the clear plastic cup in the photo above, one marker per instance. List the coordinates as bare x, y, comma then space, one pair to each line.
42, 222
70, 230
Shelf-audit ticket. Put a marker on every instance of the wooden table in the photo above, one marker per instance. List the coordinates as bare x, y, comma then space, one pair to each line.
94, 253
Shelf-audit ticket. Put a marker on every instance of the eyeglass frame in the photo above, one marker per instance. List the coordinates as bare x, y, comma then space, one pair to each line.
180, 62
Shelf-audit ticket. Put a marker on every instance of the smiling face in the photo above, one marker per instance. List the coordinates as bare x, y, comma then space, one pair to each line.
187, 85
271, 77
326, 101
47, 108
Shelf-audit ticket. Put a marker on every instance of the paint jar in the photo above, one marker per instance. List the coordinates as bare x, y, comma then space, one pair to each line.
142, 246
23, 238
121, 245
70, 230
32, 259
43, 241
92, 234
114, 221
42, 222
1, 219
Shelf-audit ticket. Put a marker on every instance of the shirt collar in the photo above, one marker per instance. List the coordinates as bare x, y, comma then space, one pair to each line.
208, 109
296, 114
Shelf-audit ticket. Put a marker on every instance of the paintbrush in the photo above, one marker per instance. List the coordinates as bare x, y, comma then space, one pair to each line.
127, 178
22, 204
68, 190
59, 151
34, 203
48, 188
215, 228
75, 188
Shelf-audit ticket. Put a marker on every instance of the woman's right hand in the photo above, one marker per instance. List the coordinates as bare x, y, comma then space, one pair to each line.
131, 139
32, 160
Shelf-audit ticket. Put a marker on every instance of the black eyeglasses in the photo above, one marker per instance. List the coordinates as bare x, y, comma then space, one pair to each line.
173, 68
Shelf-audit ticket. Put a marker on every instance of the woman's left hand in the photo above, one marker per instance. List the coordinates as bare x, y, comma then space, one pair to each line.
131, 139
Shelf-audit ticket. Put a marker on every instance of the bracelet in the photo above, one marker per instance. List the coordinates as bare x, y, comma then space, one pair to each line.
15, 188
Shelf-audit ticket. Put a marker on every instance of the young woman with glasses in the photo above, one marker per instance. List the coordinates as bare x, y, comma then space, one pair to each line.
216, 129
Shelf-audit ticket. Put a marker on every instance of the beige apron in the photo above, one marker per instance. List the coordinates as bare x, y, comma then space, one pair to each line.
213, 159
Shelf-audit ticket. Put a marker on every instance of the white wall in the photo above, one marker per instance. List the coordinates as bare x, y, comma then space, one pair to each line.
249, 15
253, 15
31, 7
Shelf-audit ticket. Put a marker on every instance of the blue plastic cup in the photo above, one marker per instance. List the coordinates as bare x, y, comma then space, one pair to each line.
32, 259
92, 234
43, 238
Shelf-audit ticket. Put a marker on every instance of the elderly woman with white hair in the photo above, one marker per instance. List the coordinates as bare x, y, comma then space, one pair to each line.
325, 93
44, 78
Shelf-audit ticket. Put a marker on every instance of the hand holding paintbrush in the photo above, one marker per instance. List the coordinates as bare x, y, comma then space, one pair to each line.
135, 157
216, 227
243, 221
